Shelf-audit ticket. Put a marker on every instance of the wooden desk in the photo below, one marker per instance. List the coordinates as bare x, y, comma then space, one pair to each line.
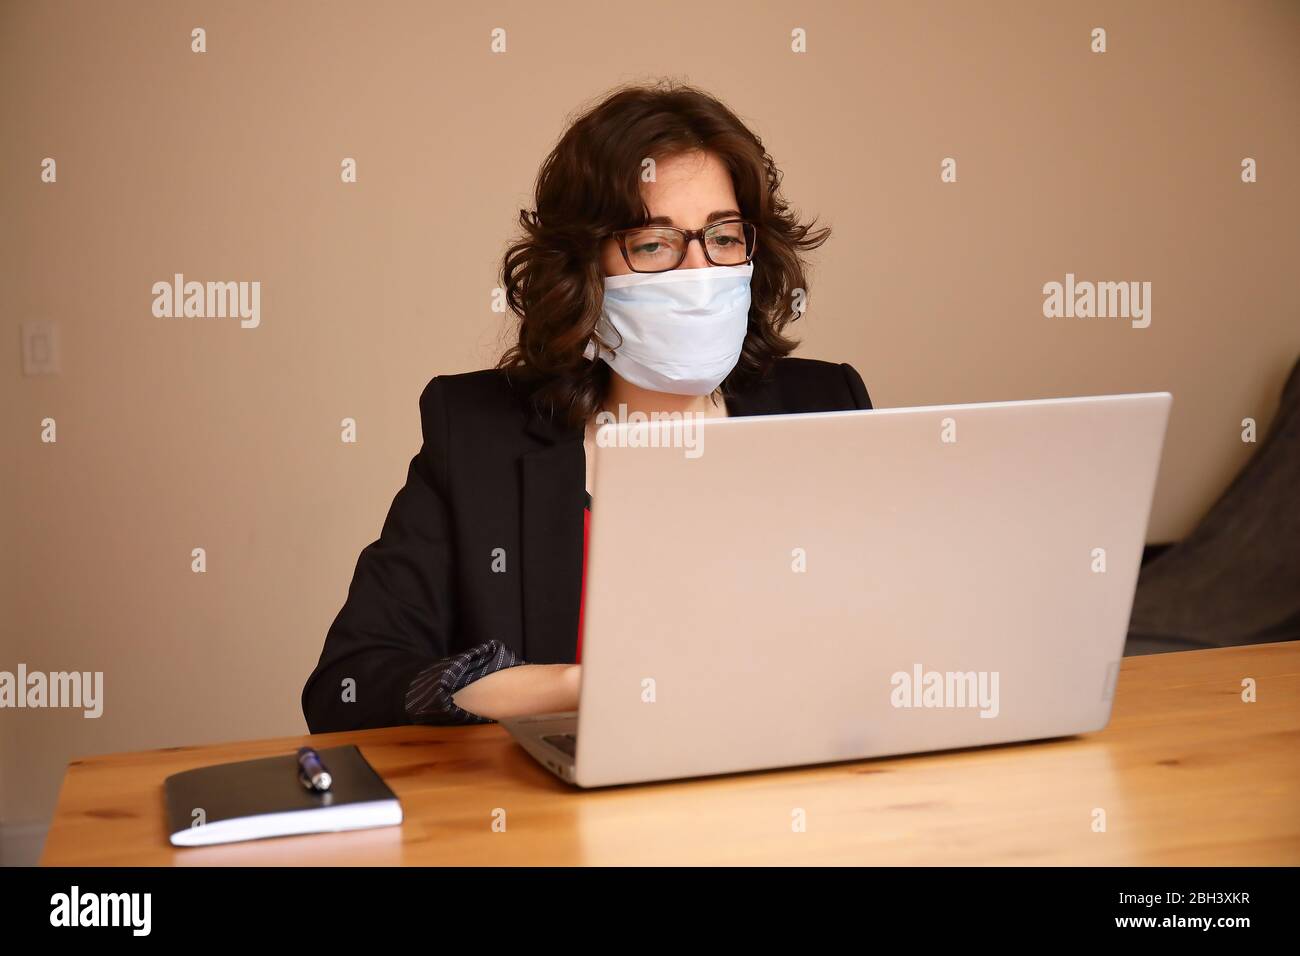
1186, 771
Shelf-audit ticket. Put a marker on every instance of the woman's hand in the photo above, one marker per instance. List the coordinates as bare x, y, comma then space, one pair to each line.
519, 691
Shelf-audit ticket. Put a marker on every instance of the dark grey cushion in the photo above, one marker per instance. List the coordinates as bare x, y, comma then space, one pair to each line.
1236, 578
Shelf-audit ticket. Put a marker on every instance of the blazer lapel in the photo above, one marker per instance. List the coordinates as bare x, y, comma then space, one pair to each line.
761, 398
552, 479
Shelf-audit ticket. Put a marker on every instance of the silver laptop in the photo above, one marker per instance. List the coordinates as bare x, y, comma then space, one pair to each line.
773, 591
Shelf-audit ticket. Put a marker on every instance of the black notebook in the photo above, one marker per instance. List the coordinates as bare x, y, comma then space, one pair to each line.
253, 799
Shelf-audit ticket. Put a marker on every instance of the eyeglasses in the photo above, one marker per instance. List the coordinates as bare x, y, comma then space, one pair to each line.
663, 248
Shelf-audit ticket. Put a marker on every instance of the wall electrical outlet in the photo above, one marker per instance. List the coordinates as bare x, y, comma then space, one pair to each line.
40, 347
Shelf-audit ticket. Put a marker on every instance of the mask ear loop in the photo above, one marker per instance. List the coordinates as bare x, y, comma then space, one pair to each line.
594, 349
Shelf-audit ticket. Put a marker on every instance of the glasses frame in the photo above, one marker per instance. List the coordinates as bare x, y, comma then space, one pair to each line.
691, 235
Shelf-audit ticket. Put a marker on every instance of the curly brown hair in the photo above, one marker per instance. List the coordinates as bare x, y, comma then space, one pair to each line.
588, 187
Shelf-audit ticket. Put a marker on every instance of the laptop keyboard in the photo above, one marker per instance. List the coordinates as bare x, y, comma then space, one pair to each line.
565, 743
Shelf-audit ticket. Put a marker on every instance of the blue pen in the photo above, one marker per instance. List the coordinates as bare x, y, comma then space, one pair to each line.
311, 771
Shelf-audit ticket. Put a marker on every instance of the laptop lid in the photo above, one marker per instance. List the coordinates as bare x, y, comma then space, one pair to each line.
780, 590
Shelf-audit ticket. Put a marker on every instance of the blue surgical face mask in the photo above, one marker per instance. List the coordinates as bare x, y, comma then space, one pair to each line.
679, 331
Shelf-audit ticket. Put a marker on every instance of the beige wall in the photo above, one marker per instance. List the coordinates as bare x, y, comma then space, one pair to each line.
175, 434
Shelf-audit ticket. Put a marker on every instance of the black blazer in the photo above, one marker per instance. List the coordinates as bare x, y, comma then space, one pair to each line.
492, 474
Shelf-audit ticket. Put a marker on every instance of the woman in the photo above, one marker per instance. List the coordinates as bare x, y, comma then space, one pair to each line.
658, 273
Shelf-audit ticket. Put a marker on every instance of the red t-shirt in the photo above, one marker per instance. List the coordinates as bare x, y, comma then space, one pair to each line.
586, 533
